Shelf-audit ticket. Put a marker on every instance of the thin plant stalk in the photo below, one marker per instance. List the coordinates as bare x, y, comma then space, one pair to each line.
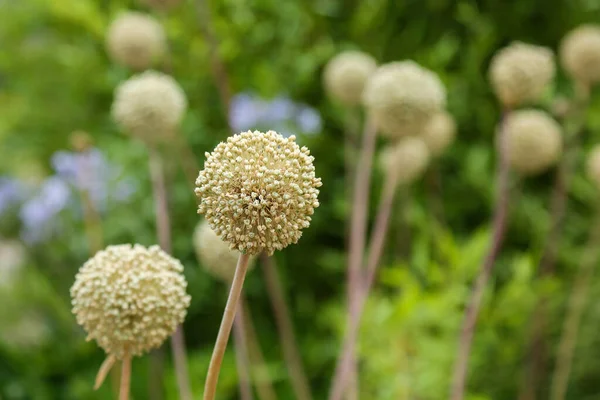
212, 378
242, 358
536, 362
163, 227
575, 309
285, 329
473, 308
125, 378
358, 228
374, 255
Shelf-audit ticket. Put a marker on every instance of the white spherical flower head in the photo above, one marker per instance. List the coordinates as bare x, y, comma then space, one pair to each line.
593, 165
258, 190
346, 74
402, 97
439, 133
534, 141
215, 255
136, 40
407, 159
520, 73
130, 299
580, 53
149, 106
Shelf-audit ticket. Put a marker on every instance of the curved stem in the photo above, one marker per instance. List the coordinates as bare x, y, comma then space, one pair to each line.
210, 387
358, 227
472, 311
125, 378
104, 370
163, 227
241, 354
263, 383
575, 309
285, 329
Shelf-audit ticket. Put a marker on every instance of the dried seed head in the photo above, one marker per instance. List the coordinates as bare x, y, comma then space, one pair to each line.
580, 53
520, 73
402, 97
136, 40
346, 74
593, 165
160, 4
258, 191
439, 133
215, 255
408, 159
149, 106
534, 141
130, 299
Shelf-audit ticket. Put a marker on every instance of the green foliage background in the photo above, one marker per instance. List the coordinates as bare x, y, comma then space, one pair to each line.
55, 77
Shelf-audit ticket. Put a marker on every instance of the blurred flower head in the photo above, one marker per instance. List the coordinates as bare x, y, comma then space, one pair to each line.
439, 133
214, 254
580, 53
12, 259
346, 74
402, 97
593, 165
405, 160
149, 106
135, 40
12, 192
130, 299
521, 72
533, 140
258, 190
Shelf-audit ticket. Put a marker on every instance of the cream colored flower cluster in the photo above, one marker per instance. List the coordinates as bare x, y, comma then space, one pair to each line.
130, 298
346, 74
402, 97
258, 190
533, 140
406, 160
439, 133
520, 73
214, 254
580, 54
136, 40
149, 106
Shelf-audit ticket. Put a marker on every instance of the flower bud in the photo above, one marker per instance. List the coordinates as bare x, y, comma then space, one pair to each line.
580, 53
346, 74
402, 97
439, 133
533, 140
520, 73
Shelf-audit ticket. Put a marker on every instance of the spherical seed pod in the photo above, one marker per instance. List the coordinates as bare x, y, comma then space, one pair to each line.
136, 40
402, 97
534, 141
160, 5
439, 133
130, 299
593, 165
580, 53
215, 255
258, 190
520, 73
149, 106
407, 159
346, 74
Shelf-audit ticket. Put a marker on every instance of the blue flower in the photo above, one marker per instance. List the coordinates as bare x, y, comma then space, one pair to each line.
309, 120
12, 192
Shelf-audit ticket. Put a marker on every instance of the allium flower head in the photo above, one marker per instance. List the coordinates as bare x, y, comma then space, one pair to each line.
407, 159
439, 133
215, 255
160, 4
149, 106
533, 139
520, 73
580, 53
346, 74
402, 97
130, 298
258, 191
135, 40
593, 165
